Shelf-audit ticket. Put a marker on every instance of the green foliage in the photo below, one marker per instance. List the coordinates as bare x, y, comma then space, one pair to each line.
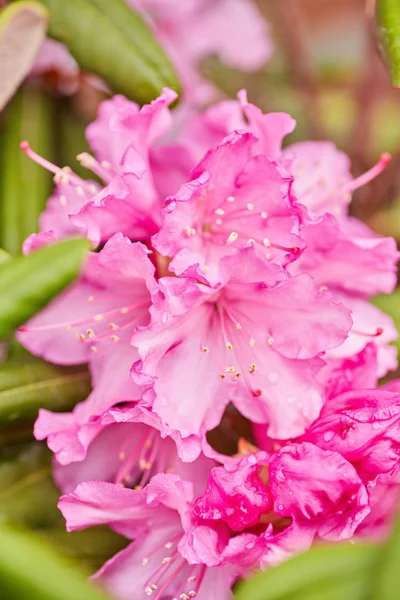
28, 496
112, 41
24, 185
28, 283
30, 569
388, 16
331, 572
26, 387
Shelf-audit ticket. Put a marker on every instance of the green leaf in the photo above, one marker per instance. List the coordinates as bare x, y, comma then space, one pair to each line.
337, 572
28, 283
4, 256
24, 185
22, 31
386, 582
24, 388
93, 546
27, 491
113, 41
30, 569
388, 16
28, 496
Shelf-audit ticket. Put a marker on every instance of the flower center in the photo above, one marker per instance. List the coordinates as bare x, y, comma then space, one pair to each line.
141, 458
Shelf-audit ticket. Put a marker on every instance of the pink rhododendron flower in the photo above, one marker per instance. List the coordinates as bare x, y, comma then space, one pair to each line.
230, 200
126, 446
229, 271
363, 426
265, 507
129, 203
189, 31
254, 340
342, 253
93, 321
151, 565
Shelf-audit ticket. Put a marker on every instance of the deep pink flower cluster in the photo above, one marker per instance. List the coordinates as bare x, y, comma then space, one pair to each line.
227, 271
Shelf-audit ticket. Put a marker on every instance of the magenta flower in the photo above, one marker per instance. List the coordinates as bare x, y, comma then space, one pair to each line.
264, 508
362, 425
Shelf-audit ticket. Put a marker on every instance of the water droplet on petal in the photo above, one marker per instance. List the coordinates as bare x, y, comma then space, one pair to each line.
328, 436
273, 377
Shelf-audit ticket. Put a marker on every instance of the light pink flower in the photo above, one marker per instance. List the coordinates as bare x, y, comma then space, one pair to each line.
100, 310
189, 31
230, 200
121, 138
93, 321
254, 340
151, 565
125, 446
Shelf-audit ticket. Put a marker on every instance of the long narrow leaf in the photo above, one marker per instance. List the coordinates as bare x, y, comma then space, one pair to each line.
30, 569
111, 40
28, 283
26, 388
388, 15
24, 185
315, 574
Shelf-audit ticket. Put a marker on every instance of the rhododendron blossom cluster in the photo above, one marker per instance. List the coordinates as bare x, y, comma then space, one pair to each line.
227, 276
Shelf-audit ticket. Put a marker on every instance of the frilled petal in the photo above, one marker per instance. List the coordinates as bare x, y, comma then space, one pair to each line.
353, 373
130, 512
66, 199
364, 427
270, 129
311, 484
121, 123
384, 498
235, 496
128, 204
